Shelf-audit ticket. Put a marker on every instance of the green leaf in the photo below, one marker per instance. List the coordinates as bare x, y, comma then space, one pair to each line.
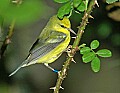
95, 64
85, 50
111, 1
76, 2
94, 44
104, 53
65, 9
88, 57
61, 1
82, 45
83, 6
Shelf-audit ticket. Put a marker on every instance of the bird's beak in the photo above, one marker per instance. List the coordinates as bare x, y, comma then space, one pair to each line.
71, 31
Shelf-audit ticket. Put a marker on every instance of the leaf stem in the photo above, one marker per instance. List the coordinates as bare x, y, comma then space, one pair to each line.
63, 73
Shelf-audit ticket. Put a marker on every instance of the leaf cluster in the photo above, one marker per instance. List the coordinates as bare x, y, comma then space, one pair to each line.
70, 5
74, 5
89, 55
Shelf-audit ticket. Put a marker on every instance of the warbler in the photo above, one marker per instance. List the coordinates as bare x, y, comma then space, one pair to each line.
50, 44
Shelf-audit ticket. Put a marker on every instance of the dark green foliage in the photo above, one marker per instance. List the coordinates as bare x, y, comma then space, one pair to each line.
71, 5
76, 3
64, 10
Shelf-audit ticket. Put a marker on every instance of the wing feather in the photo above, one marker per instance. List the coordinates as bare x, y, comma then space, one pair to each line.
43, 46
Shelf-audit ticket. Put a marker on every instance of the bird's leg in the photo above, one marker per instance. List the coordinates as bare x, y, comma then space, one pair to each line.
54, 70
68, 50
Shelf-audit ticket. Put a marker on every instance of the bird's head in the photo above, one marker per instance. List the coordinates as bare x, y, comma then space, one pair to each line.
61, 23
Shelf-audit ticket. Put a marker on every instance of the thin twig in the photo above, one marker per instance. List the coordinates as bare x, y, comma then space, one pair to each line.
10, 32
63, 73
7, 39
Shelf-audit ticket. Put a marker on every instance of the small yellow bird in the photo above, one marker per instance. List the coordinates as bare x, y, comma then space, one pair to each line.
51, 43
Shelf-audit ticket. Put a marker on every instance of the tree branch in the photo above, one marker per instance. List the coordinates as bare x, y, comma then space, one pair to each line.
63, 72
7, 39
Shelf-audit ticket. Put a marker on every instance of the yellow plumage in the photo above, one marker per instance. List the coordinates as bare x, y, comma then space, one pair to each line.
51, 43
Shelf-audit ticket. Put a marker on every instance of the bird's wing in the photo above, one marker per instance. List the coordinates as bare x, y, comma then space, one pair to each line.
43, 46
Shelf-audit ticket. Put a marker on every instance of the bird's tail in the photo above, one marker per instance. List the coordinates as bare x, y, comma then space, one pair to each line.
22, 65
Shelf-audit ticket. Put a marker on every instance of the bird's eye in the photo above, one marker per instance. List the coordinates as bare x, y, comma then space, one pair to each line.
62, 26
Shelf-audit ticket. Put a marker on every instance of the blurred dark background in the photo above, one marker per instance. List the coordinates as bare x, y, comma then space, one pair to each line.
105, 27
